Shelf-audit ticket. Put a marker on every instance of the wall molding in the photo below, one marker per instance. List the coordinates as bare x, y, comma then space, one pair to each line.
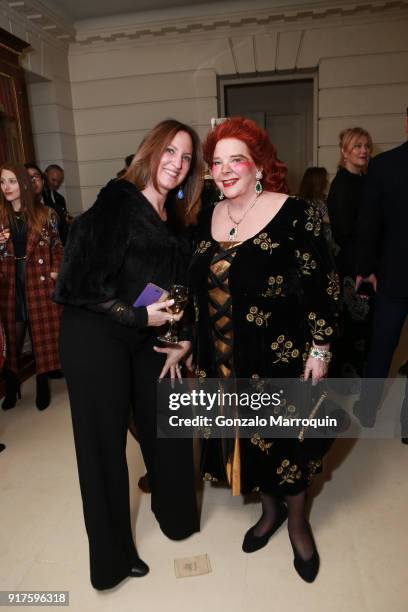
135, 28
33, 17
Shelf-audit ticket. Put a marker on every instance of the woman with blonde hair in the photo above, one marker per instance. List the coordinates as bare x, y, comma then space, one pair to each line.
343, 202
132, 235
30, 257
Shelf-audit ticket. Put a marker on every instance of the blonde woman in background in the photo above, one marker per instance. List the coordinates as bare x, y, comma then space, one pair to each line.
343, 203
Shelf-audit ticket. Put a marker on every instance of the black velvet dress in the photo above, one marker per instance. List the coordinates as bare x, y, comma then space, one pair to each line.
280, 293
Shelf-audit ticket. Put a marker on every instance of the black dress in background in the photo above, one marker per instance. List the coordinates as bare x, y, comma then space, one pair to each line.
344, 202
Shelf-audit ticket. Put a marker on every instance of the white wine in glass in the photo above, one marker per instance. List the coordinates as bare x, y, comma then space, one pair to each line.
178, 293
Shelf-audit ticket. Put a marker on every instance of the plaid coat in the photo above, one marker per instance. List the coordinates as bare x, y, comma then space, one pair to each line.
43, 256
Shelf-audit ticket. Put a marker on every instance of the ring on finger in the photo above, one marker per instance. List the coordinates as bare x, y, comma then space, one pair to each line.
172, 320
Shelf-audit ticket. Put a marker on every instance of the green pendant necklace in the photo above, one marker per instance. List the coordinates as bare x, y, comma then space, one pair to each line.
233, 232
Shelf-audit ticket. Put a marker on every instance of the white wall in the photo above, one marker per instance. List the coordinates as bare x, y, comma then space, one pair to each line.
49, 92
123, 75
122, 88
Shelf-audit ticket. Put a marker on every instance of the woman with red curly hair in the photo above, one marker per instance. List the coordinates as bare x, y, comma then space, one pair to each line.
265, 296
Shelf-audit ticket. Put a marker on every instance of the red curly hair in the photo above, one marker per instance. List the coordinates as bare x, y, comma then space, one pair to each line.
260, 147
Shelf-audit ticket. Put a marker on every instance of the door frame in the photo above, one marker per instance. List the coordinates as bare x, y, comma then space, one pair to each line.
224, 81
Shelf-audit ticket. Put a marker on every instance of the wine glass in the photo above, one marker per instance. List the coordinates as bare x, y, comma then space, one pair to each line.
4, 234
179, 293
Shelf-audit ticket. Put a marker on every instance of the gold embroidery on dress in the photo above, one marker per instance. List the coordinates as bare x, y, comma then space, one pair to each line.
307, 263
283, 349
313, 465
202, 247
274, 286
201, 374
305, 354
261, 444
333, 287
318, 327
313, 222
207, 476
206, 432
259, 317
289, 473
285, 410
265, 242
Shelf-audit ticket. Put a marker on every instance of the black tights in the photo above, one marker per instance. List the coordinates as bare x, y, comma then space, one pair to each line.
297, 521
21, 330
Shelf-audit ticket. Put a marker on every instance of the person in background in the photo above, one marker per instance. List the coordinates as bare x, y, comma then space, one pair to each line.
30, 257
55, 177
128, 160
313, 188
382, 256
133, 235
43, 196
265, 297
344, 203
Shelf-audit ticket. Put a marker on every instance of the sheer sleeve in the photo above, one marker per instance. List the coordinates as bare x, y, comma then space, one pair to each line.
121, 313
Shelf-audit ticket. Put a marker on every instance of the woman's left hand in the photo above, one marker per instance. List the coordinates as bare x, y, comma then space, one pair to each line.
316, 368
174, 355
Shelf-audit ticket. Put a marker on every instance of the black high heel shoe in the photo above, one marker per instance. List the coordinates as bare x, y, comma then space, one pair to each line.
308, 569
139, 569
43, 395
253, 543
13, 390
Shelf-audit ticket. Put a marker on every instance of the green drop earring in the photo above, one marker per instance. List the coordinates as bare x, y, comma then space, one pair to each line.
258, 184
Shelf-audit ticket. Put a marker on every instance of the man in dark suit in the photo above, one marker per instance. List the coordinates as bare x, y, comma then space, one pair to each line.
54, 175
382, 256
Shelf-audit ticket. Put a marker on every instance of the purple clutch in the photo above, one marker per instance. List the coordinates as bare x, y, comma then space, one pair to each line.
150, 295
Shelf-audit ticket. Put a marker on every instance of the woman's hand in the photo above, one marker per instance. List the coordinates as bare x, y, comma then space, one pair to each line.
4, 235
174, 355
188, 362
54, 275
316, 368
157, 315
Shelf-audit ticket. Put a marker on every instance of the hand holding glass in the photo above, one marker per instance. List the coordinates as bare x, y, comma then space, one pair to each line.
4, 234
179, 293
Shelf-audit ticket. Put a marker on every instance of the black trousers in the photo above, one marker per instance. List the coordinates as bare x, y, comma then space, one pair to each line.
108, 369
388, 321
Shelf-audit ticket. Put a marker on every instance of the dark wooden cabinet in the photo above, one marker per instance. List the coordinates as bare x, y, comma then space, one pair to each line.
16, 141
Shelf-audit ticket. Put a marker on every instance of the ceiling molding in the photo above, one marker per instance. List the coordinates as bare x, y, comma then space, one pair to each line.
137, 29
32, 16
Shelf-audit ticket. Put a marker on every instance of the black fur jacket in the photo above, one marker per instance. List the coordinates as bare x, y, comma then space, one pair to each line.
118, 246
